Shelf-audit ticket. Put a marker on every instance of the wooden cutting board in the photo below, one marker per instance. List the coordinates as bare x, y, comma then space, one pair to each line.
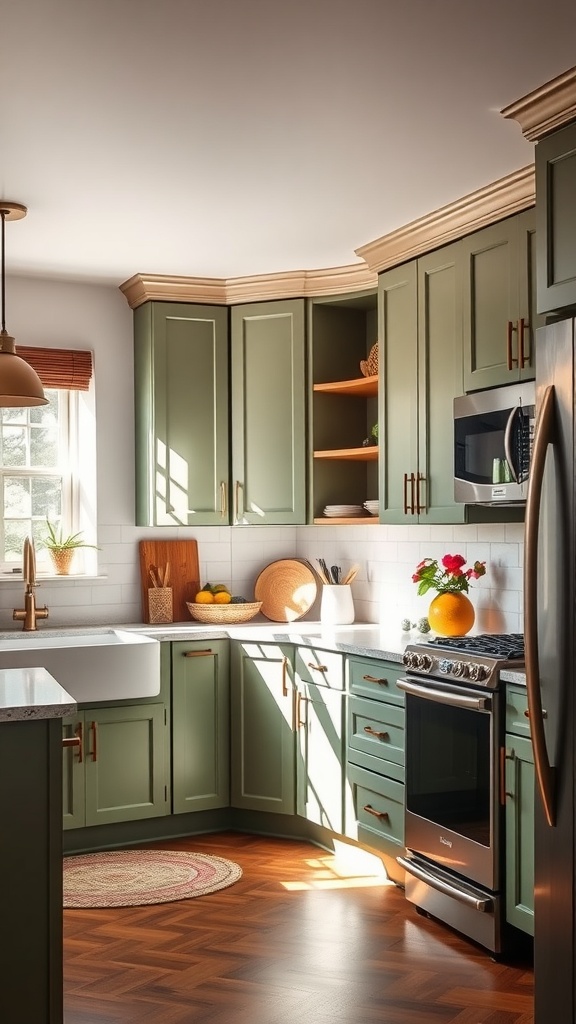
182, 555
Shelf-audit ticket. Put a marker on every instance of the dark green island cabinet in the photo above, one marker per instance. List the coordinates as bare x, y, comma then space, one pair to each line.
220, 414
519, 812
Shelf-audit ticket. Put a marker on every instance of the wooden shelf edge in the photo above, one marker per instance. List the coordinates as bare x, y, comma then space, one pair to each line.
367, 454
360, 386
352, 521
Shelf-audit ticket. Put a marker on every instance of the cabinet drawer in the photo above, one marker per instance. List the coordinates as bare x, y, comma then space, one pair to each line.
376, 729
368, 677
321, 668
378, 803
516, 706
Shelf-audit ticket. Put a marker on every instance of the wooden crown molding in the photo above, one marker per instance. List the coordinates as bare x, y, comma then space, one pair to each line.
501, 199
230, 291
547, 108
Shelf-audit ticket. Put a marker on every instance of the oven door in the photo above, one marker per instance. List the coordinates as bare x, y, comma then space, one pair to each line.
452, 778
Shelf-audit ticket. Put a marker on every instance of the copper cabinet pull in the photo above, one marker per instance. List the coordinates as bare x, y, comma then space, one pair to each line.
75, 741
522, 359
412, 508
317, 668
382, 681
504, 756
383, 815
509, 360
545, 434
419, 507
94, 731
378, 735
544, 713
237, 487
299, 700
405, 494
284, 676
223, 499
198, 654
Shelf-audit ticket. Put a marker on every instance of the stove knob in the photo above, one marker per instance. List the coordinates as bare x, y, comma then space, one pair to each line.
424, 662
409, 659
459, 669
480, 672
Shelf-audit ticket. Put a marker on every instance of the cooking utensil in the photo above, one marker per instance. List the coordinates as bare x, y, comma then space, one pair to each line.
335, 572
322, 571
152, 576
351, 574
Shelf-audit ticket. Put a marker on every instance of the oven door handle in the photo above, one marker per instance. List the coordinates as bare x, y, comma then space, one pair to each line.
478, 903
455, 700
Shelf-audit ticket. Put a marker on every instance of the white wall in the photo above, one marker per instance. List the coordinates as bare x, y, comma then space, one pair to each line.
73, 315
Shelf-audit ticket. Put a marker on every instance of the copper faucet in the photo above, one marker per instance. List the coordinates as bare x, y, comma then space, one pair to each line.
30, 613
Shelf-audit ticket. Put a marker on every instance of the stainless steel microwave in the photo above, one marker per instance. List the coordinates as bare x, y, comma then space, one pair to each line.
493, 439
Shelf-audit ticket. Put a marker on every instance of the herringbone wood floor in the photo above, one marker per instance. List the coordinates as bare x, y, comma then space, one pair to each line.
298, 939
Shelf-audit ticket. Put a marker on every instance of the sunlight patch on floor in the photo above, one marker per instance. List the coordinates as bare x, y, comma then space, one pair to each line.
349, 867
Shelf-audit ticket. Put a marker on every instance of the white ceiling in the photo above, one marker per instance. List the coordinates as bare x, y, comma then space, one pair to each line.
221, 138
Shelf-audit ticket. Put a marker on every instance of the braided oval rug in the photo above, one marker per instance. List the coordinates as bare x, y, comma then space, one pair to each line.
133, 878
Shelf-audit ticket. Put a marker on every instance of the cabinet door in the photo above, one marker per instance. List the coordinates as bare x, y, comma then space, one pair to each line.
499, 309
73, 800
321, 756
520, 833
440, 381
556, 220
397, 353
181, 407
268, 413
200, 725
262, 727
124, 763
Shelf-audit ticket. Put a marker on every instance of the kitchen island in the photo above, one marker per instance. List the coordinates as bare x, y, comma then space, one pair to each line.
32, 705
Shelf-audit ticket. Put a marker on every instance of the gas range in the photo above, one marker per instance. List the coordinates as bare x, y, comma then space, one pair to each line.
472, 660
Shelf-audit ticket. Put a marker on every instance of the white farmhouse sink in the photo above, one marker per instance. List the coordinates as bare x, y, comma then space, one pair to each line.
97, 665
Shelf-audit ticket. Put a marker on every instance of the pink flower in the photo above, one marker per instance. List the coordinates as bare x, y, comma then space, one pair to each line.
453, 564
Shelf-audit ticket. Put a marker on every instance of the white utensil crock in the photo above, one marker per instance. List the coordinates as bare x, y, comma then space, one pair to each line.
336, 605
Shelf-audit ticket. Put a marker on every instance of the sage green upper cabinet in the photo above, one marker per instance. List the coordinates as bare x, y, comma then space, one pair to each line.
499, 300
268, 413
200, 725
181, 414
420, 342
556, 220
262, 747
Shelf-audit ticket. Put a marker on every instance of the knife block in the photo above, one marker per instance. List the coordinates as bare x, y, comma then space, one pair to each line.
160, 604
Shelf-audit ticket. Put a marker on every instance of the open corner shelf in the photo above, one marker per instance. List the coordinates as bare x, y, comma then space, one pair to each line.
363, 387
364, 454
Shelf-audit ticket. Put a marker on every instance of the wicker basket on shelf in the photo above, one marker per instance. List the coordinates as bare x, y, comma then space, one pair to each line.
369, 366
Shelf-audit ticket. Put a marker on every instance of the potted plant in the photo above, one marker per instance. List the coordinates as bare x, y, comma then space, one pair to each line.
62, 549
451, 613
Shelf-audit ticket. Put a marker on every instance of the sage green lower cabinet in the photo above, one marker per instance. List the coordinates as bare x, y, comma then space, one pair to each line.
519, 813
118, 771
320, 725
200, 725
262, 740
375, 758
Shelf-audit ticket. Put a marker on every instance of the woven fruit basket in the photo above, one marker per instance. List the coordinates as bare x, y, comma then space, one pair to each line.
369, 366
224, 613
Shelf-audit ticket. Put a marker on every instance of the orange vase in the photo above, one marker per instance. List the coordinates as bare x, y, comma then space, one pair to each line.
451, 614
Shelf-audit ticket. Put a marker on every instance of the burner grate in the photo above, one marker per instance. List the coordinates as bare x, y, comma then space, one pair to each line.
498, 645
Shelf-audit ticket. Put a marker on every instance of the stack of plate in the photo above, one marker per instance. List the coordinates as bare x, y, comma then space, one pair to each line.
343, 511
373, 507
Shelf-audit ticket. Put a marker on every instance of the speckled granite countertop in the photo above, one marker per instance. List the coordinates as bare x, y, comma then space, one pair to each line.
32, 693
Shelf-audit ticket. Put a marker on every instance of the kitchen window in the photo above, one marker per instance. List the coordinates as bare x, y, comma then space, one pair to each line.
42, 475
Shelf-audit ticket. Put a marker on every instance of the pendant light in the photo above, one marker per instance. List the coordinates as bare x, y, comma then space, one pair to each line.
20, 385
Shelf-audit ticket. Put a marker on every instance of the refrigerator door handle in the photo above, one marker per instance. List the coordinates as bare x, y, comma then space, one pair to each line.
545, 772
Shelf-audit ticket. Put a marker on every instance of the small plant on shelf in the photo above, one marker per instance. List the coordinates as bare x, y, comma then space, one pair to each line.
62, 548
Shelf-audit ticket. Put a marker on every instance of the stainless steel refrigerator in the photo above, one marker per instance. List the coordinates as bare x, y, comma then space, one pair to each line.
550, 646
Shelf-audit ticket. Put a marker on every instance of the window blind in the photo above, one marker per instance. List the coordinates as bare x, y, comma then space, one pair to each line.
59, 367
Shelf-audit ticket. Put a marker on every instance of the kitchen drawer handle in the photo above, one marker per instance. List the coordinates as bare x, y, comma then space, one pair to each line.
381, 681
412, 506
284, 676
317, 668
544, 713
481, 904
299, 700
405, 494
420, 478
223, 503
382, 815
198, 654
378, 735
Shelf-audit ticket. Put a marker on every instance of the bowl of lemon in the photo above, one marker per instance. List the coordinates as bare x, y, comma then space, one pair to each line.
216, 604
